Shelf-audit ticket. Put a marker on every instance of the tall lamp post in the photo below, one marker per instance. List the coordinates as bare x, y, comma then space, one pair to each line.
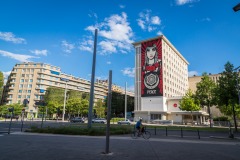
65, 94
236, 8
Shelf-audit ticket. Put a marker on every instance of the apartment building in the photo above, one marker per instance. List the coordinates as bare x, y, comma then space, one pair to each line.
161, 79
31, 80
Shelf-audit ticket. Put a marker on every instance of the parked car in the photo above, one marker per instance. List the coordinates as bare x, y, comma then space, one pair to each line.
99, 120
125, 122
77, 120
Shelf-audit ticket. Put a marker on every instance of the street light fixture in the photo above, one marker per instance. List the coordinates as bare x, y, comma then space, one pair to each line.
65, 93
236, 8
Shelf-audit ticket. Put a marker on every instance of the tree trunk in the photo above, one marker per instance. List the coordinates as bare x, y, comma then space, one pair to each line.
210, 115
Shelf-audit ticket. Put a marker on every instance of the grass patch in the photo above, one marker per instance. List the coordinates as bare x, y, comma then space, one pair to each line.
77, 130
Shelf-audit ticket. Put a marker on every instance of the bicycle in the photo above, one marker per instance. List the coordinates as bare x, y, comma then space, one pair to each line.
145, 134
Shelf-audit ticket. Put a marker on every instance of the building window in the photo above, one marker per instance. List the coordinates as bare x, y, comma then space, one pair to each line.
28, 96
29, 86
20, 85
22, 80
26, 65
19, 91
30, 80
29, 91
23, 75
156, 116
19, 96
34, 65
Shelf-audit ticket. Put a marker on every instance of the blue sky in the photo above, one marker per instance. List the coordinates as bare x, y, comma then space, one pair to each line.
61, 33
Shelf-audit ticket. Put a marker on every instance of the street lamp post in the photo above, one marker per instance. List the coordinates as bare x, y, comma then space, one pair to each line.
65, 94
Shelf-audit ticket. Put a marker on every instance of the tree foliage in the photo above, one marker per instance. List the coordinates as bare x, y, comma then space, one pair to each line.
1, 84
227, 90
118, 104
190, 103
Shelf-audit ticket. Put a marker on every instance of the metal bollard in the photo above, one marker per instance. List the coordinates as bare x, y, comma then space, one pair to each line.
198, 134
181, 133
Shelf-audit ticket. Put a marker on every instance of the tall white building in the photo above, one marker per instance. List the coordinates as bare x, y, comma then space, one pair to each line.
161, 79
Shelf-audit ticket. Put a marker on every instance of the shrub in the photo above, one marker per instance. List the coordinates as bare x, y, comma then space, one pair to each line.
221, 118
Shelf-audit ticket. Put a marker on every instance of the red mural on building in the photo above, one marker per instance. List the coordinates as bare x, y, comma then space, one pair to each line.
151, 63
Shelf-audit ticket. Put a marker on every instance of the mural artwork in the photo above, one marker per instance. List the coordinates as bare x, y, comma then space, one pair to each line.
151, 76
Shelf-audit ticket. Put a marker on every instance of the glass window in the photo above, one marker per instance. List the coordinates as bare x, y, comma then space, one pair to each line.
19, 96
35, 65
19, 91
25, 65
29, 86
30, 80
22, 80
20, 85
23, 75
29, 91
28, 96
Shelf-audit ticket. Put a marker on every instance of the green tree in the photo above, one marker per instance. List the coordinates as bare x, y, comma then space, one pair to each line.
189, 103
227, 92
118, 104
205, 93
54, 98
1, 84
100, 108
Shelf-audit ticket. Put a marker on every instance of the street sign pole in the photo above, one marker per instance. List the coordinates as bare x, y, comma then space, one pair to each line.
10, 110
108, 111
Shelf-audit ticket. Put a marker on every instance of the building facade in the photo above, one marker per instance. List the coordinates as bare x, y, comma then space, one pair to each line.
193, 87
161, 79
31, 80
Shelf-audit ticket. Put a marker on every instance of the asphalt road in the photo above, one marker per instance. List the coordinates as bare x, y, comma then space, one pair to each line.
28, 146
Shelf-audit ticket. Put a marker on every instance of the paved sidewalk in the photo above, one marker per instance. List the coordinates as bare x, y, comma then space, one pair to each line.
29, 146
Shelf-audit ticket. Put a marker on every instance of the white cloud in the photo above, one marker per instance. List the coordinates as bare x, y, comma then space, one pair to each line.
116, 32
92, 14
39, 52
159, 33
121, 6
130, 72
107, 46
5, 75
10, 37
86, 44
207, 19
183, 2
67, 47
19, 57
148, 22
156, 20
192, 73
108, 62
130, 88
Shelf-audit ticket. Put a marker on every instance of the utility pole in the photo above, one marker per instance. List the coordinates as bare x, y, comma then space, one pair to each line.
92, 82
125, 101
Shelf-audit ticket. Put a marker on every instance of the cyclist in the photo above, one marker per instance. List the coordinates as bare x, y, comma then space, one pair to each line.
139, 126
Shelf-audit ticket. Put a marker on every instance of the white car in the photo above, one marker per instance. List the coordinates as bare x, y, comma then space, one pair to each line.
99, 120
125, 122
